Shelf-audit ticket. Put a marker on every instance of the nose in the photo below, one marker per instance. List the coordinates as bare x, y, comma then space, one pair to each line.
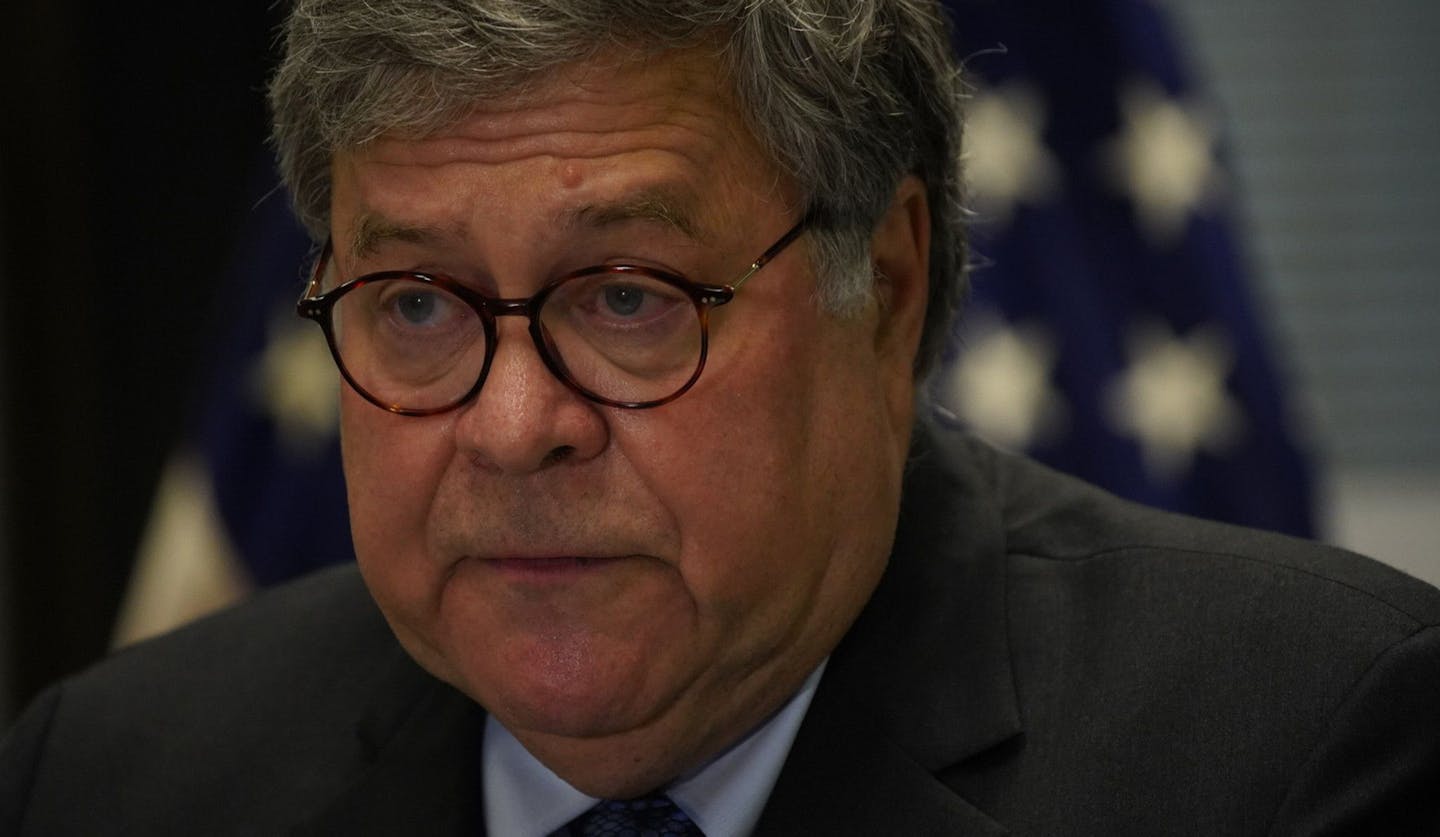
525, 419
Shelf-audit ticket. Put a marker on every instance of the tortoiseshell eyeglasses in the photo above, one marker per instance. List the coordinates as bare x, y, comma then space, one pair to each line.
622, 335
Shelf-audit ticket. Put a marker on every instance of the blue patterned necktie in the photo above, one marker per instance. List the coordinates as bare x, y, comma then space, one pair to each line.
647, 816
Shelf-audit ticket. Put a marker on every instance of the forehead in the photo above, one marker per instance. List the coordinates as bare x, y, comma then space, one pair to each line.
618, 138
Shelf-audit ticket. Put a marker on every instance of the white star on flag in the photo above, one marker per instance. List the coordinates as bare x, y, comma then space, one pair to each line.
1000, 387
1006, 161
1172, 399
1163, 159
296, 383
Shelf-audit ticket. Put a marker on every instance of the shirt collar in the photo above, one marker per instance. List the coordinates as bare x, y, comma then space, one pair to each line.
524, 798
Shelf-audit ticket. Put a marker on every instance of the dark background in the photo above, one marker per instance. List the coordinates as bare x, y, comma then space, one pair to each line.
132, 141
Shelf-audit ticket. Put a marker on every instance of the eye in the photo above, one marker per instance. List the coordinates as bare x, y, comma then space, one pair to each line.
414, 305
608, 308
628, 301
624, 300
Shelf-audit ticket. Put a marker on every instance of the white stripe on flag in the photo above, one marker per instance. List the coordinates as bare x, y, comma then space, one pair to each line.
186, 566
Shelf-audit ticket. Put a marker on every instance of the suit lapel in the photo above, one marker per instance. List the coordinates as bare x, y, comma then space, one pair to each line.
923, 679
424, 774
844, 775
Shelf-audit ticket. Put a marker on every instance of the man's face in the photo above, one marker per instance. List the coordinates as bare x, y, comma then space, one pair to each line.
662, 578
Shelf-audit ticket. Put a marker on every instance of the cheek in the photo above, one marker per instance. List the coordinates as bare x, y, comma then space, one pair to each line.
778, 475
393, 466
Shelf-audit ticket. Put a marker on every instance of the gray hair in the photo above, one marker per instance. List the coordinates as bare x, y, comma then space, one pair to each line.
847, 98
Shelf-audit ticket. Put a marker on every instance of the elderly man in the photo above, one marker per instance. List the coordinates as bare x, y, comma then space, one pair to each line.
630, 300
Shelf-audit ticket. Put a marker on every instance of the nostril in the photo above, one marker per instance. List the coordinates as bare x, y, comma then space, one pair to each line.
559, 454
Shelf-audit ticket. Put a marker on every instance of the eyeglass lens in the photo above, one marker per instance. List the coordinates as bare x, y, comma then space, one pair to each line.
624, 336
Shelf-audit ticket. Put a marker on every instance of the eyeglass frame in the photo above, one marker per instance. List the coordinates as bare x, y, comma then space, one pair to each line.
703, 296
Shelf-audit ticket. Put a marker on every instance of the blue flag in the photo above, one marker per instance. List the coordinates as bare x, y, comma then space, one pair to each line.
1112, 332
268, 433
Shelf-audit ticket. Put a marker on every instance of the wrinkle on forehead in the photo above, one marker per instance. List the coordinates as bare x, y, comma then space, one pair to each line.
571, 129
635, 111
679, 90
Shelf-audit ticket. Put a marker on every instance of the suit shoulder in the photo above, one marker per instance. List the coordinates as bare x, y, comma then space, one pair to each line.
319, 620
1184, 660
290, 655
245, 716
1051, 517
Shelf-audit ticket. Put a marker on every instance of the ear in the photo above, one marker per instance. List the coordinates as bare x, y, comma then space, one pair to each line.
900, 256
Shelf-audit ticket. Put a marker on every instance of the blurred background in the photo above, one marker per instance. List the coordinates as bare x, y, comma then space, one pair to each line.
1333, 112
1207, 279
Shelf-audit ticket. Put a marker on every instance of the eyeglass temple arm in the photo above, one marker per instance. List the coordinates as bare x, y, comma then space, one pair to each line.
308, 305
774, 251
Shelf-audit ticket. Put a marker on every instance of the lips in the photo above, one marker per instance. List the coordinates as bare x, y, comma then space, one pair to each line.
549, 562
556, 567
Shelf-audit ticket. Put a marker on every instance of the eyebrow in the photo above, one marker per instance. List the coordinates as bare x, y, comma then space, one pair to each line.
373, 230
660, 206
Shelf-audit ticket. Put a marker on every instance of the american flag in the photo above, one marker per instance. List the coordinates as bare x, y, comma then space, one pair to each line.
1113, 332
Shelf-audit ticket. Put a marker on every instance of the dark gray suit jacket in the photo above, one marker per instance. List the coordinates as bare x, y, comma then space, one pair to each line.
1040, 658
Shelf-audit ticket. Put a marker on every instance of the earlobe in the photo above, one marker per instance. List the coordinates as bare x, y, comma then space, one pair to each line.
900, 256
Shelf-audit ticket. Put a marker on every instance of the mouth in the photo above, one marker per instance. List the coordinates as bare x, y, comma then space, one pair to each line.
555, 567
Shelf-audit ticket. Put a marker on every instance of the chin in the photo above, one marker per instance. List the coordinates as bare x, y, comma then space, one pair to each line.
570, 710
568, 688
